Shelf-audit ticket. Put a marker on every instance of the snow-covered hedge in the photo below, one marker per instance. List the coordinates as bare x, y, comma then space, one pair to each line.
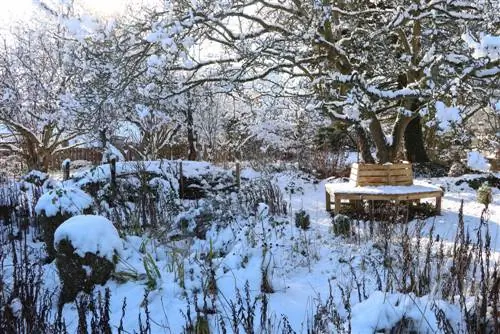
90, 234
66, 200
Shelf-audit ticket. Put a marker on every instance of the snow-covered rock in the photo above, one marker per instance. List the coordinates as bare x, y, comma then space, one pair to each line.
85, 253
90, 234
66, 200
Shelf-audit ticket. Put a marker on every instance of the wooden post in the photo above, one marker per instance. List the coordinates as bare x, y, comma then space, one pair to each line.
328, 201
65, 169
238, 175
112, 169
337, 204
438, 205
181, 181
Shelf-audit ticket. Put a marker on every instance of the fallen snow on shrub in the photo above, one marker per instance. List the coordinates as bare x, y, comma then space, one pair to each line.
35, 176
477, 161
487, 46
112, 152
65, 200
90, 234
446, 116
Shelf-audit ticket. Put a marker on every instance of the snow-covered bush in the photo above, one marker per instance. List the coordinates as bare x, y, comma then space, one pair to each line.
457, 169
35, 177
262, 191
86, 247
10, 195
111, 152
65, 200
77, 164
484, 194
342, 225
302, 220
56, 206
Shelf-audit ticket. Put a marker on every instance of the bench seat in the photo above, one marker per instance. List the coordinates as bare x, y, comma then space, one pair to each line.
349, 191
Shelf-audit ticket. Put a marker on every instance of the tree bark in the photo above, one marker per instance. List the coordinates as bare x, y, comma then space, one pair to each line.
378, 136
190, 134
414, 142
363, 145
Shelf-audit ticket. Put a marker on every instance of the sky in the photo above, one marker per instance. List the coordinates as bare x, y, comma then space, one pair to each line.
12, 10
15, 10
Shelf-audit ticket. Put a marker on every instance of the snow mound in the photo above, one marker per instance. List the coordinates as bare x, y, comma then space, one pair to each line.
477, 161
385, 310
65, 200
90, 234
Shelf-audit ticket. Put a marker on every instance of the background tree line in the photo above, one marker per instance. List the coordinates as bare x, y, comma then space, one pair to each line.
233, 79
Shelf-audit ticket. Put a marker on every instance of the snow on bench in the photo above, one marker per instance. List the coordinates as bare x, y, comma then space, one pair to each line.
351, 192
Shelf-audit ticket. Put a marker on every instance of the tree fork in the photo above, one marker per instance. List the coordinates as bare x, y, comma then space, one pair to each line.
414, 142
363, 145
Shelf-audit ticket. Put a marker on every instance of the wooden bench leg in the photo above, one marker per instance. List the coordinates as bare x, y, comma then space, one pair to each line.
438, 205
328, 202
337, 204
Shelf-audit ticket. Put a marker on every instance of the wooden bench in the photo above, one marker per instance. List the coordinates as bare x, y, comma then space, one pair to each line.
391, 182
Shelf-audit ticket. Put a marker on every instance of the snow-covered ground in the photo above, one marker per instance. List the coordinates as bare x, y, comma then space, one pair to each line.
303, 266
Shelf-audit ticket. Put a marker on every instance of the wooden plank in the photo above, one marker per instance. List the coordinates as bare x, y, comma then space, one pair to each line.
384, 182
402, 172
363, 167
360, 196
394, 178
372, 178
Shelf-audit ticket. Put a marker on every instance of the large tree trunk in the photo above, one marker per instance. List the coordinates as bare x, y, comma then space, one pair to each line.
414, 142
363, 145
33, 156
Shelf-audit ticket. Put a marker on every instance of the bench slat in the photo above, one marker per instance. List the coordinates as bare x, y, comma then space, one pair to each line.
401, 166
405, 172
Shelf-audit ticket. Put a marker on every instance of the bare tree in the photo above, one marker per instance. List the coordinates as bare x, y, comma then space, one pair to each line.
377, 66
37, 107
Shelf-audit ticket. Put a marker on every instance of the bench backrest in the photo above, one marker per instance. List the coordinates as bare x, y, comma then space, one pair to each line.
378, 175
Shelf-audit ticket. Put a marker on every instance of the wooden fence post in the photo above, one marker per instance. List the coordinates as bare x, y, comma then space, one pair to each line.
65, 169
181, 181
112, 169
238, 174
